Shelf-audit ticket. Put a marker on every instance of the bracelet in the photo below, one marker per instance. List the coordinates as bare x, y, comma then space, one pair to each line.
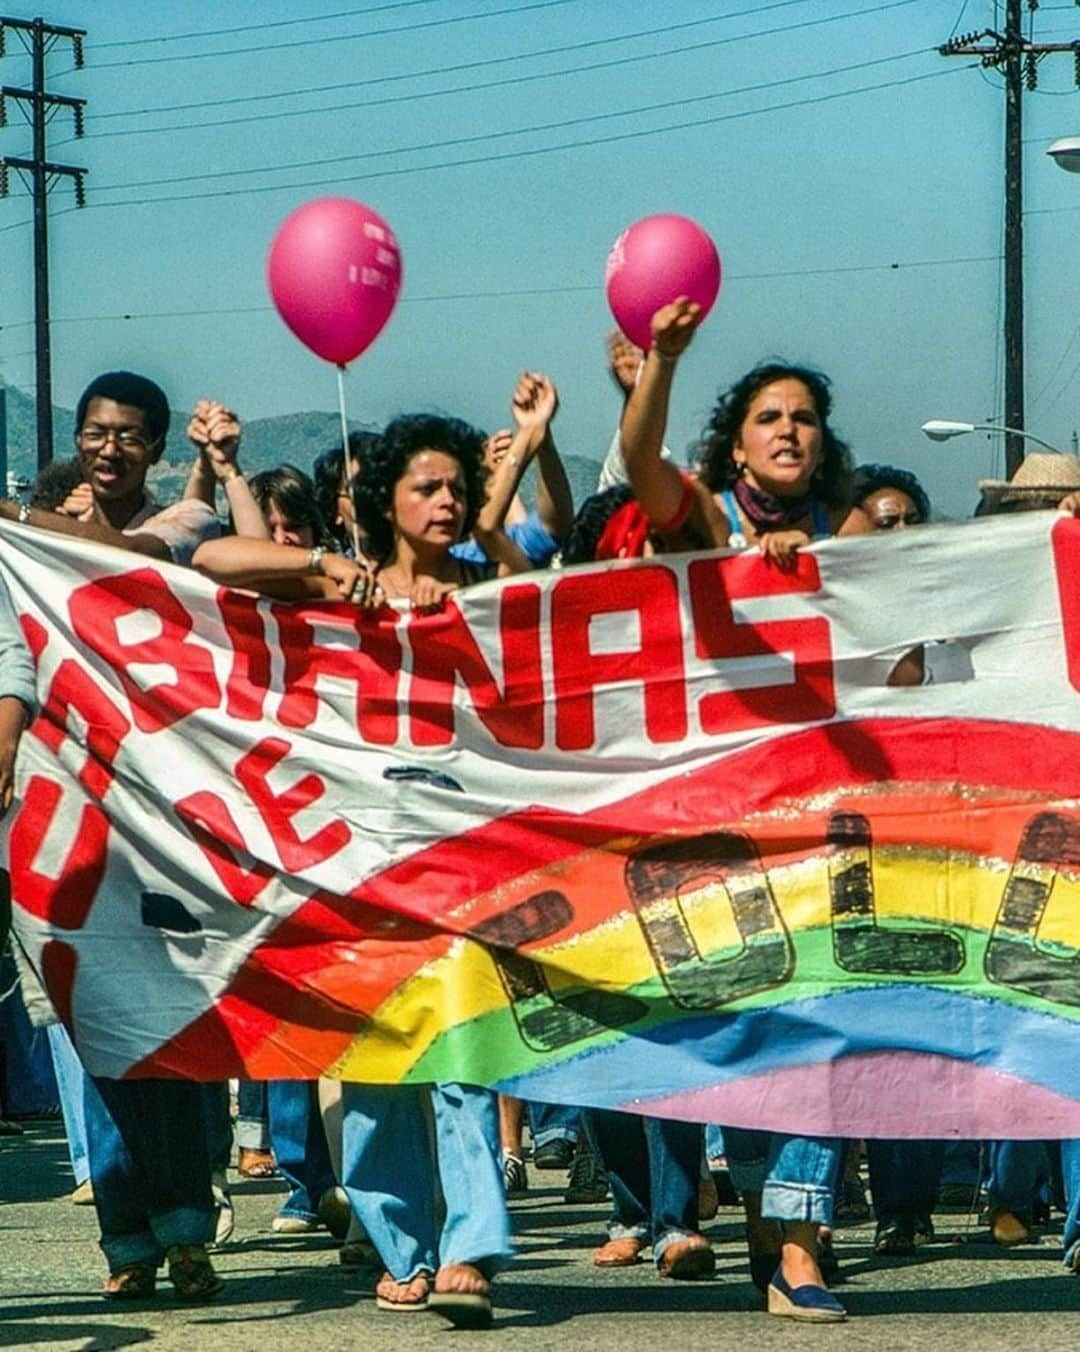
315, 558
229, 473
24, 513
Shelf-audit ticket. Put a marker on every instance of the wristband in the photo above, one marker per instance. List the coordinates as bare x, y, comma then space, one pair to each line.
229, 473
315, 558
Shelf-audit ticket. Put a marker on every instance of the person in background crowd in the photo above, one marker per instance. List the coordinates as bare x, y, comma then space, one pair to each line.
334, 485
286, 500
892, 498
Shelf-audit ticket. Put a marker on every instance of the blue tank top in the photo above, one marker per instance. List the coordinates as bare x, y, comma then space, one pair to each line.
737, 539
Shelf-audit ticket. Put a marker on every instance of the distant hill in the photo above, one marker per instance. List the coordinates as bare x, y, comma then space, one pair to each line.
294, 437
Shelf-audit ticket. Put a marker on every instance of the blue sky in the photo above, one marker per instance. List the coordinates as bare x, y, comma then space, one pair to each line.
508, 142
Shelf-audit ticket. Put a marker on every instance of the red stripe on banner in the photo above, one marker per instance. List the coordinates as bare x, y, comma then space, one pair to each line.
305, 992
905, 755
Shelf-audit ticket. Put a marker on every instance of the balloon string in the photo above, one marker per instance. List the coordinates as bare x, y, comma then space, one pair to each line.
346, 478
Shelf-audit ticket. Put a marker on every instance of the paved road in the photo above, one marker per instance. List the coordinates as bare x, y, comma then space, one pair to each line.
291, 1293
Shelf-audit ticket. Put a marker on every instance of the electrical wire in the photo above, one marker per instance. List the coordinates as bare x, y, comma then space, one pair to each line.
515, 79
501, 135
527, 153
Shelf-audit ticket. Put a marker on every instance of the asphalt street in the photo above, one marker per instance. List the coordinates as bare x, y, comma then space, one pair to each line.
292, 1293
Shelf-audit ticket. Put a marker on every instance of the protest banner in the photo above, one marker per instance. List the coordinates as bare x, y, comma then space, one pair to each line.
655, 835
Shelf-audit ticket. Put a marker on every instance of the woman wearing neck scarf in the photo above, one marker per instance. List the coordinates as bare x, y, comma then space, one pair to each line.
773, 474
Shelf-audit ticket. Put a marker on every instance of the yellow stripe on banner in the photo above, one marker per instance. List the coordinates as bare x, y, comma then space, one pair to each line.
908, 885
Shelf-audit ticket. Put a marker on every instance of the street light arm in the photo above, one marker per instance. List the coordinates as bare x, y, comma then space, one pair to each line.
941, 429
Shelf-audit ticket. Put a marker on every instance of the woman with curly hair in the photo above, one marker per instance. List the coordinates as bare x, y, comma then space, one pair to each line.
773, 473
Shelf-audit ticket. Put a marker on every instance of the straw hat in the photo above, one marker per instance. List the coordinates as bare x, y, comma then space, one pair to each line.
1042, 474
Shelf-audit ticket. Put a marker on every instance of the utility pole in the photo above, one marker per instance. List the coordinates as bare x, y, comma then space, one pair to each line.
40, 173
1019, 59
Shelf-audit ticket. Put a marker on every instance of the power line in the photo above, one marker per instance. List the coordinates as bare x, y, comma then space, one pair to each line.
338, 37
522, 292
500, 135
636, 134
260, 27
516, 79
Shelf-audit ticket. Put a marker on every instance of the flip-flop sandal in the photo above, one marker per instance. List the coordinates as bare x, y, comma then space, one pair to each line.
400, 1306
464, 1309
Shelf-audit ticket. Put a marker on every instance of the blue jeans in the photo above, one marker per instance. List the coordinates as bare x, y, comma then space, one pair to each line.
390, 1173
904, 1177
70, 1081
654, 1164
299, 1141
796, 1175
1015, 1171
553, 1122
1070, 1168
252, 1116
29, 1085
150, 1167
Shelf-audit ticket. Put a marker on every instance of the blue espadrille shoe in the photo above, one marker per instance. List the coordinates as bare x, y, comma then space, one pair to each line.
811, 1304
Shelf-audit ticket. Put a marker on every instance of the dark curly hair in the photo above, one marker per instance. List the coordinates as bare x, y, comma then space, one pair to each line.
291, 491
587, 527
831, 483
869, 479
385, 462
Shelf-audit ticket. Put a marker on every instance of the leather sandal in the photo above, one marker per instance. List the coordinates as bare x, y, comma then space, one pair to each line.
191, 1272
137, 1281
687, 1259
624, 1252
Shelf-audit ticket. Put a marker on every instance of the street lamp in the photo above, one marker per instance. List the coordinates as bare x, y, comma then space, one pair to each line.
1066, 152
941, 429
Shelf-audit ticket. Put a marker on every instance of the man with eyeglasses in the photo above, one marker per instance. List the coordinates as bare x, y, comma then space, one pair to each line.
121, 423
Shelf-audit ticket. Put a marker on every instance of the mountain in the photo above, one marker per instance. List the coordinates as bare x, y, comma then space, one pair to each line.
294, 437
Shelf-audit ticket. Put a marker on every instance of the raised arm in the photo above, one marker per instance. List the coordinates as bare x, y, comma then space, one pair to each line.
216, 431
534, 404
658, 485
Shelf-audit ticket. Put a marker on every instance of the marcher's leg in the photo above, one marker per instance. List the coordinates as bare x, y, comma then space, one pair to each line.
904, 1177
70, 1078
1015, 1168
679, 1249
300, 1148
800, 1184
1070, 1168
120, 1192
619, 1139
388, 1170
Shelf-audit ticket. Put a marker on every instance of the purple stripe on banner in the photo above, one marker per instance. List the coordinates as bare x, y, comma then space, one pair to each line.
880, 1094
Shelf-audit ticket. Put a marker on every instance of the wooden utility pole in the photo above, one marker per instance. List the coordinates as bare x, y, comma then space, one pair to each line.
40, 173
1018, 58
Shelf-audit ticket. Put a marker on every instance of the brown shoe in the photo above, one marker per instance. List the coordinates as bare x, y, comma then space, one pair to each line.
1007, 1228
191, 1272
687, 1260
134, 1282
623, 1252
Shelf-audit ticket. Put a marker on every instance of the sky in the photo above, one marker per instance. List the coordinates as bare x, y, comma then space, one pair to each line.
850, 176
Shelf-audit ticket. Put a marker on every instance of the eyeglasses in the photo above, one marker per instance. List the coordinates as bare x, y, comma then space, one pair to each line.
97, 438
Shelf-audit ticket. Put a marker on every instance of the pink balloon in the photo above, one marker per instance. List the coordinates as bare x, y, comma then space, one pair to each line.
334, 273
655, 261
